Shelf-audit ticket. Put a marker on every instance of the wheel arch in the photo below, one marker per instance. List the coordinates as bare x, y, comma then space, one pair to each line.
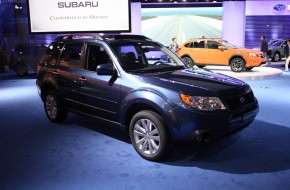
186, 55
139, 101
48, 84
237, 56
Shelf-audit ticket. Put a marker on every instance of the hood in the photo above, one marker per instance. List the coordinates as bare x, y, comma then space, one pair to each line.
196, 80
255, 50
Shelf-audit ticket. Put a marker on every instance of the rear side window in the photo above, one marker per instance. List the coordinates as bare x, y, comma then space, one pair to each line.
189, 45
199, 44
52, 53
71, 56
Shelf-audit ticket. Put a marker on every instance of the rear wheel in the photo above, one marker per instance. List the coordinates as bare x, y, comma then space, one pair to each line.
188, 61
53, 108
237, 64
21, 69
149, 136
276, 57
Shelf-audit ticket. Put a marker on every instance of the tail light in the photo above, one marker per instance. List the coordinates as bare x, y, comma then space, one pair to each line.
38, 69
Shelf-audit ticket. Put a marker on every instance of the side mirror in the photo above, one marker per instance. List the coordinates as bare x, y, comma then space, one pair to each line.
222, 48
105, 69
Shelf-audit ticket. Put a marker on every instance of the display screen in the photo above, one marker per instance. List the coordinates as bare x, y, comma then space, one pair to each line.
64, 16
183, 22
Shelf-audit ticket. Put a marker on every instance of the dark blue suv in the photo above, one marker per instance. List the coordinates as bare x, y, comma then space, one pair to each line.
139, 84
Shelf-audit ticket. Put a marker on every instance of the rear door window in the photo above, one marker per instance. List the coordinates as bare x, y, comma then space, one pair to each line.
71, 56
52, 53
198, 44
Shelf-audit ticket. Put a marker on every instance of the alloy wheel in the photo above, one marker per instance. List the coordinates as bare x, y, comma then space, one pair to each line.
188, 61
276, 57
146, 136
237, 65
51, 106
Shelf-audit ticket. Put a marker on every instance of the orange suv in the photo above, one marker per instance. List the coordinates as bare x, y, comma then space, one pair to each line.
202, 52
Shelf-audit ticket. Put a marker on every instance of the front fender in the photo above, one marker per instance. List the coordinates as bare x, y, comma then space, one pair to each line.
48, 84
143, 100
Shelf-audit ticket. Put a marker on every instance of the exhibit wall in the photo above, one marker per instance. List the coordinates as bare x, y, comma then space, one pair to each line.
234, 22
268, 18
240, 22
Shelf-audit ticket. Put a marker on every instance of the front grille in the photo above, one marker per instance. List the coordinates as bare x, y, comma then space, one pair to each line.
240, 101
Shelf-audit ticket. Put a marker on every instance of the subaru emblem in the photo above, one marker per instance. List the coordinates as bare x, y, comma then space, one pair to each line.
242, 99
279, 7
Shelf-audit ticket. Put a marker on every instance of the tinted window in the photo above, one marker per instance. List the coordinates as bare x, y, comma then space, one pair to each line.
199, 44
189, 45
213, 45
277, 43
51, 54
96, 55
71, 56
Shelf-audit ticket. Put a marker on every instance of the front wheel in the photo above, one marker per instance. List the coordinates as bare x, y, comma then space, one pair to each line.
276, 57
53, 108
188, 61
149, 135
237, 64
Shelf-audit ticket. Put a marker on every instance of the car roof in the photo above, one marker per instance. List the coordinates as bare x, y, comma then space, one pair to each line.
109, 37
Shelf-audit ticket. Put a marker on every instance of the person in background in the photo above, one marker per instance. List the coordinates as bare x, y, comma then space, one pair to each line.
287, 55
264, 48
173, 46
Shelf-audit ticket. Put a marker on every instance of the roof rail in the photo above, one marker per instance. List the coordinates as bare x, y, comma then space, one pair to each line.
207, 38
103, 37
124, 37
78, 36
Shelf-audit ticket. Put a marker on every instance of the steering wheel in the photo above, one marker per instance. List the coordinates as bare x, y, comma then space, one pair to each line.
157, 63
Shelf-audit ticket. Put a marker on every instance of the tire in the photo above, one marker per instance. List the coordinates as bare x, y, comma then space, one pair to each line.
237, 64
188, 61
200, 66
53, 108
276, 57
21, 70
249, 68
149, 136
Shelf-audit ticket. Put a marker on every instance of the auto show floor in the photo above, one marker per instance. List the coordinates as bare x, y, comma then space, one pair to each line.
86, 154
258, 73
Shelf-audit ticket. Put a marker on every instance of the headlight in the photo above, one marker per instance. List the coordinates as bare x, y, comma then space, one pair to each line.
203, 103
252, 55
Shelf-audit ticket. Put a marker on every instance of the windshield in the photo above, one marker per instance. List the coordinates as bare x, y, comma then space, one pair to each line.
226, 43
277, 43
145, 57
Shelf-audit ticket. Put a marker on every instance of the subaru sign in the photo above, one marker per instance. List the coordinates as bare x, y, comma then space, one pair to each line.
279, 7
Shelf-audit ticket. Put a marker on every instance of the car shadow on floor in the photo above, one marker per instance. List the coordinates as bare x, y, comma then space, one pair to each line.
261, 148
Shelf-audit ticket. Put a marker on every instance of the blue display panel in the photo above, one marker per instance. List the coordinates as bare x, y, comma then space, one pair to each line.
276, 26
